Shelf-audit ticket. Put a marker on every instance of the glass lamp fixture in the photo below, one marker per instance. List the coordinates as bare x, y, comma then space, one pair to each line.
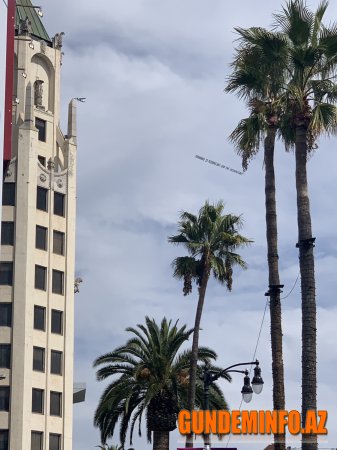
247, 391
257, 381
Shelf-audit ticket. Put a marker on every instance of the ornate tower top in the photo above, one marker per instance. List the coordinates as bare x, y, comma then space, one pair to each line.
28, 21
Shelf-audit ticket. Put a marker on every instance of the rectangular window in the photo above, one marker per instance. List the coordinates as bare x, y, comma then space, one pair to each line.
3, 439
58, 242
55, 404
41, 127
5, 356
42, 160
39, 318
5, 314
7, 233
58, 277
38, 359
42, 198
40, 277
54, 441
4, 398
56, 321
37, 400
36, 440
41, 237
8, 194
6, 273
59, 204
56, 362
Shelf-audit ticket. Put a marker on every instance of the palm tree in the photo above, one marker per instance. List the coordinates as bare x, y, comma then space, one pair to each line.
310, 110
152, 378
306, 51
211, 239
262, 90
112, 447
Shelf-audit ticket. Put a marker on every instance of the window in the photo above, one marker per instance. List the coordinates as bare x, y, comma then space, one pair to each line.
54, 441
7, 233
36, 440
8, 194
42, 198
58, 204
37, 400
6, 273
3, 439
41, 127
56, 321
42, 160
4, 398
5, 356
40, 277
56, 362
55, 403
5, 315
58, 242
41, 237
39, 318
57, 282
38, 359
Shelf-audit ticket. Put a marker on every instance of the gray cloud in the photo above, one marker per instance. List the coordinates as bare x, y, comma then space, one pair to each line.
153, 74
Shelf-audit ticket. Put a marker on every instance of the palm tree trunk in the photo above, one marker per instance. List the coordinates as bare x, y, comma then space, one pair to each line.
195, 345
274, 282
307, 269
161, 440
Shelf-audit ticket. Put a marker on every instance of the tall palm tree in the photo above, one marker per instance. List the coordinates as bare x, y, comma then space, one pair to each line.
211, 239
310, 110
262, 89
307, 52
152, 378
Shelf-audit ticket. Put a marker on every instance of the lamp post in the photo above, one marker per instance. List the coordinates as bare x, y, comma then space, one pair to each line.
256, 386
248, 388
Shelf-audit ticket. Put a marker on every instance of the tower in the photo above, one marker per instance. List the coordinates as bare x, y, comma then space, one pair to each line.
37, 250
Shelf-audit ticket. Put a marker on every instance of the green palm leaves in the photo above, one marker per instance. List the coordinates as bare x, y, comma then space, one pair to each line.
213, 235
150, 378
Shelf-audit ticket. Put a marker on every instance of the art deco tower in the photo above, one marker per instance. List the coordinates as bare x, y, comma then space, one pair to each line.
37, 250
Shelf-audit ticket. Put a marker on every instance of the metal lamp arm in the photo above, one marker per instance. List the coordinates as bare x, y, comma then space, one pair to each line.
240, 364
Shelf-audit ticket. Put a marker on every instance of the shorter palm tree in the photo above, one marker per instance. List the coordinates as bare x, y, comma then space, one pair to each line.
152, 378
211, 239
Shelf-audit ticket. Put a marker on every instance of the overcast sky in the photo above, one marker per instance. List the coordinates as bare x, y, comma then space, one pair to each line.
153, 73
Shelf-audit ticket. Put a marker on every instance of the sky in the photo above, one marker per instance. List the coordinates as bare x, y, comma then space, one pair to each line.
153, 73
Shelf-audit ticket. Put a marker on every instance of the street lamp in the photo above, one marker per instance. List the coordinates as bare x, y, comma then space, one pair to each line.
248, 388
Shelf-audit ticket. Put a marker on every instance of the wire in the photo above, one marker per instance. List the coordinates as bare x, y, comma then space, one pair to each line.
255, 351
5, 3
282, 298
259, 336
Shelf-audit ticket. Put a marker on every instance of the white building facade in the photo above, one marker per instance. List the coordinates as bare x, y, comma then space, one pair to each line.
37, 256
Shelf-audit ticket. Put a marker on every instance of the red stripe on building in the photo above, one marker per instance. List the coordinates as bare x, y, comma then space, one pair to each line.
9, 86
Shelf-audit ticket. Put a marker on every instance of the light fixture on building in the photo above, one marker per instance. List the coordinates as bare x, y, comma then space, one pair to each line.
38, 9
24, 74
31, 45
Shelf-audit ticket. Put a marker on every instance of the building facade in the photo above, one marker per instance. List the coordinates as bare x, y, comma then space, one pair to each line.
37, 250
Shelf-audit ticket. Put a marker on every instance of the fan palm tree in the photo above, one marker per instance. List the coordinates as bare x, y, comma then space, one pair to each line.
262, 90
211, 239
306, 50
152, 378
310, 111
